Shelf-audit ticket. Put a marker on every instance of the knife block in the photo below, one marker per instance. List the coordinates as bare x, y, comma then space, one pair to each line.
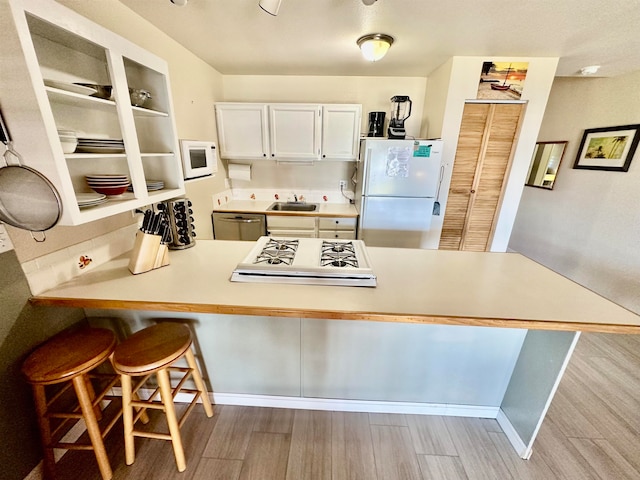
148, 253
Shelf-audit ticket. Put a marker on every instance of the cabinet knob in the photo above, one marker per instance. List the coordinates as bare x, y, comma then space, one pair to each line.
264, 154
273, 154
324, 156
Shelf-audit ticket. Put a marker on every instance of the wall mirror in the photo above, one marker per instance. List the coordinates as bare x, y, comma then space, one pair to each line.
545, 164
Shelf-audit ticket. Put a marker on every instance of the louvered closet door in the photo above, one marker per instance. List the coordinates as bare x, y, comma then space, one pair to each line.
483, 157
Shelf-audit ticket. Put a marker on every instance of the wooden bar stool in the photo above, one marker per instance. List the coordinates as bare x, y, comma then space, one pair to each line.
69, 357
154, 350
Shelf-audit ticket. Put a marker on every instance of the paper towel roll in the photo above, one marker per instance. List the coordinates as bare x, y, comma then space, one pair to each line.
239, 172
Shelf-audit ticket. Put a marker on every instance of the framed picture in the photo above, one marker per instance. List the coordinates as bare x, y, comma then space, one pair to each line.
609, 148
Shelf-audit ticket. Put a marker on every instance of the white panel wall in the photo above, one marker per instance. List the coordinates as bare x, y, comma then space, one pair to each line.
588, 226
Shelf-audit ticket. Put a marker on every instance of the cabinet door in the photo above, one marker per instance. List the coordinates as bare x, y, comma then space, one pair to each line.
485, 148
242, 130
341, 131
295, 131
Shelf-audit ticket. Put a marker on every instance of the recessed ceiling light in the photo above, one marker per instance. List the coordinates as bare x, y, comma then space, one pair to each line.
590, 70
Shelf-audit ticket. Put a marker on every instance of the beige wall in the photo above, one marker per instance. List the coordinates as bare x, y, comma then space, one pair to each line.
587, 228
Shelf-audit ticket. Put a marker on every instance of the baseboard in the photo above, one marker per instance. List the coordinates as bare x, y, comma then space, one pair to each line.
305, 403
516, 442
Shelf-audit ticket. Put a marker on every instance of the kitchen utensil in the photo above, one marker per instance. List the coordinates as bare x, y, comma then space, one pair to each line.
28, 200
436, 204
400, 111
139, 97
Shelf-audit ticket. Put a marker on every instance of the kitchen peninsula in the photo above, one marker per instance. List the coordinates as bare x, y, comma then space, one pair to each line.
443, 332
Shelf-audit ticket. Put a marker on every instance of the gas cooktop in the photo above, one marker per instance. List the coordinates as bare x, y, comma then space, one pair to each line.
310, 261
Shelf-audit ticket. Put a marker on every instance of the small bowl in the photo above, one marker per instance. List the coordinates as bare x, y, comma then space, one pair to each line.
139, 97
111, 191
69, 144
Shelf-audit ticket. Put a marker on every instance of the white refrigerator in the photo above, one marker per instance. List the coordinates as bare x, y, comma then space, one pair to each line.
396, 185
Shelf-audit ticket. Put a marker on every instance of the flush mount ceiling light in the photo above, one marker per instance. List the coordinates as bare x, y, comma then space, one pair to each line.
374, 46
270, 6
369, 2
590, 70
180, 3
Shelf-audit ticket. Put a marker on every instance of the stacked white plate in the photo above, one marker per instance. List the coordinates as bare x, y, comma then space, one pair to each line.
86, 200
152, 185
111, 185
100, 145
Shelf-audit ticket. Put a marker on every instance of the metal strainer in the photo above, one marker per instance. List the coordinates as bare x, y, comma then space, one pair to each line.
28, 200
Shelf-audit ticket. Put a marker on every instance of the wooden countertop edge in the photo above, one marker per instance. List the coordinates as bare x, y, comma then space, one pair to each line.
331, 315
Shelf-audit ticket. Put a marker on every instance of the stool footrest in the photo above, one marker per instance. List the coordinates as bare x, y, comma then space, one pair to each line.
157, 436
72, 446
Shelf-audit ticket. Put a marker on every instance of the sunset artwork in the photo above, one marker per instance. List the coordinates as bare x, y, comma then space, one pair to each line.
502, 80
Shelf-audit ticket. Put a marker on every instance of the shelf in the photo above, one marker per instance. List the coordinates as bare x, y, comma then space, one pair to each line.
169, 154
146, 112
73, 156
78, 99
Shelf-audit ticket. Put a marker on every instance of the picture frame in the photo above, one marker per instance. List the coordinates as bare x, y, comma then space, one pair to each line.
609, 148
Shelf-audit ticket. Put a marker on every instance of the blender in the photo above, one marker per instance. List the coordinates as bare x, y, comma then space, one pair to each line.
400, 111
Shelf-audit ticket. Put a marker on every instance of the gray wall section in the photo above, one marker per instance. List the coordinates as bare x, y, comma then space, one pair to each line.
537, 369
22, 327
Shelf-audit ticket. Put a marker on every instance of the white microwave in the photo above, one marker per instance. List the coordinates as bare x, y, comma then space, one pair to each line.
199, 158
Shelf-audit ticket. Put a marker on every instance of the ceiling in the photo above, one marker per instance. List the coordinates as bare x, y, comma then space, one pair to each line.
318, 37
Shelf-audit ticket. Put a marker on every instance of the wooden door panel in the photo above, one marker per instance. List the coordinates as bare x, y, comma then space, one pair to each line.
469, 147
483, 157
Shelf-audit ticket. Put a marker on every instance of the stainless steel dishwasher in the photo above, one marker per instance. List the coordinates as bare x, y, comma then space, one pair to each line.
238, 226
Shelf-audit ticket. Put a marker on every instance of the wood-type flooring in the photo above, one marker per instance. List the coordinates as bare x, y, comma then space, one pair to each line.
592, 431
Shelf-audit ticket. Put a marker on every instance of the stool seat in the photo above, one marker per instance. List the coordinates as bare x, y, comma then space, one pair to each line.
68, 354
152, 348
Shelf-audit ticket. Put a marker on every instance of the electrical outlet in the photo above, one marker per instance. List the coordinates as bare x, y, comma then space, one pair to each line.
5, 241
343, 183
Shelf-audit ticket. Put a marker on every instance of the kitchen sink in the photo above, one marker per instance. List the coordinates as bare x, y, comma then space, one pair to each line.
292, 207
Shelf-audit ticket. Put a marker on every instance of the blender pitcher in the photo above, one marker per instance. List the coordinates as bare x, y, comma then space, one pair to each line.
400, 111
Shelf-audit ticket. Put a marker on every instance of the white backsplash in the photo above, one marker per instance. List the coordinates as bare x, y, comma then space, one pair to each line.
61, 266
288, 195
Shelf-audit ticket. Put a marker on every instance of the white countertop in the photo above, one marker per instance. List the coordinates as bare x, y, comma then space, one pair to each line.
422, 286
260, 206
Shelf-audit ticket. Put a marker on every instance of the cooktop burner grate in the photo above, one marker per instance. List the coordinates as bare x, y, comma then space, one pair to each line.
338, 254
278, 252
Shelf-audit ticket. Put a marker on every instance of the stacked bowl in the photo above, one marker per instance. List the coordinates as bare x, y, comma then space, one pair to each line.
109, 185
68, 140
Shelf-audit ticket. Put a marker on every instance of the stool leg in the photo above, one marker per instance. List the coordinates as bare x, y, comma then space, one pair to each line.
172, 420
80, 385
197, 378
45, 430
127, 420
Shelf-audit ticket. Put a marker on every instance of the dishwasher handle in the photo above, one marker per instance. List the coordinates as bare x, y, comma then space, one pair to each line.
239, 220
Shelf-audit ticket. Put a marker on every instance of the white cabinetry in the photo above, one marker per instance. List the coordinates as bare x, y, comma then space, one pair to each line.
288, 131
306, 226
295, 226
341, 131
295, 131
62, 48
243, 131
343, 228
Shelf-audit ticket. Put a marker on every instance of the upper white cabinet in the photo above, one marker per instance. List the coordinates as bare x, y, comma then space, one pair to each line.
295, 131
341, 131
288, 131
63, 49
243, 131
